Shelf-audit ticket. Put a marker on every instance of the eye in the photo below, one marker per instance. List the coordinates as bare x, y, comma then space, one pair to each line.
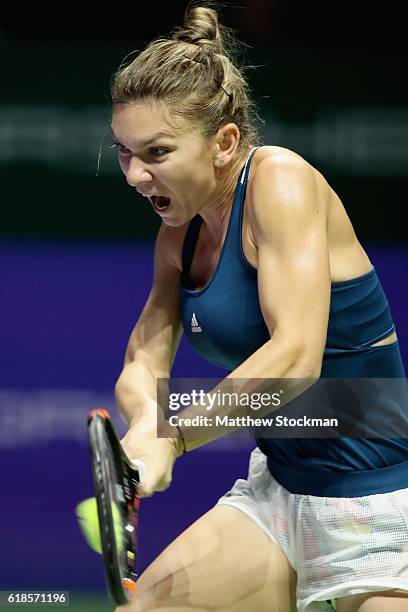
158, 151
154, 151
123, 150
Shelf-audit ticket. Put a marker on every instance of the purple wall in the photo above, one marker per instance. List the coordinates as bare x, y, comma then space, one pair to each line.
66, 313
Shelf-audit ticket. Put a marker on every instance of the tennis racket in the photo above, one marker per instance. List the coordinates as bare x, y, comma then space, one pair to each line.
116, 479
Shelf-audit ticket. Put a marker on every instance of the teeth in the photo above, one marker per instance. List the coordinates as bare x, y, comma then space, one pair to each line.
157, 205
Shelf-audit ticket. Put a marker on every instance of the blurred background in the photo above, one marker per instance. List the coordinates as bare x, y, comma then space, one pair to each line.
76, 243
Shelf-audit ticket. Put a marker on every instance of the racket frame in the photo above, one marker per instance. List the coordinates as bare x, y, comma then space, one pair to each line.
120, 576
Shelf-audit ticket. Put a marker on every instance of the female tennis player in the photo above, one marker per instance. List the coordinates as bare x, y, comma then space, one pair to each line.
256, 259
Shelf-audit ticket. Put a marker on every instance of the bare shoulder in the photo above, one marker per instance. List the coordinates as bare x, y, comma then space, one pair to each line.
275, 160
284, 187
169, 245
275, 152
278, 174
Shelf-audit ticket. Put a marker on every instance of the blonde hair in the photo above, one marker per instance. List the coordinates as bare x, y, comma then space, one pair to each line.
192, 74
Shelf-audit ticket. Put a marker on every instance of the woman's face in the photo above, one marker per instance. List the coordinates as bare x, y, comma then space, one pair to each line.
178, 164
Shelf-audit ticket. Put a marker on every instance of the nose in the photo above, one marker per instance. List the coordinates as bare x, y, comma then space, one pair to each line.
137, 175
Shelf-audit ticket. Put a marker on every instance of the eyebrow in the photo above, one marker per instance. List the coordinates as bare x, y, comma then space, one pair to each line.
149, 140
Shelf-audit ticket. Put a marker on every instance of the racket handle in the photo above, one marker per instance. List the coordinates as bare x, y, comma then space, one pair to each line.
139, 465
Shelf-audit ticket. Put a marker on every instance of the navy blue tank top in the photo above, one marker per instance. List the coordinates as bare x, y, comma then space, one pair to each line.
223, 322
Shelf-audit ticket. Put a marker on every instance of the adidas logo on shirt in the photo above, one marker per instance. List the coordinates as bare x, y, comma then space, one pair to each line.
195, 327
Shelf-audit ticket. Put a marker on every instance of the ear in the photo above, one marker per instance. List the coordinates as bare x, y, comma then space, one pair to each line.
226, 144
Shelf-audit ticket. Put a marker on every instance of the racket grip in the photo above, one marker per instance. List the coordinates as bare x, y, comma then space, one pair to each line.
139, 465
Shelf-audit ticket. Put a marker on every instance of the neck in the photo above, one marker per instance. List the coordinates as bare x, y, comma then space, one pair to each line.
216, 214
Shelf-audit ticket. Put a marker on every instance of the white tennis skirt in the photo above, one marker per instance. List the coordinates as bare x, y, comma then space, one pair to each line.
338, 546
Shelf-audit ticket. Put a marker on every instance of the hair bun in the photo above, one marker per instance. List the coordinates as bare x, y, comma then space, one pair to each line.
201, 28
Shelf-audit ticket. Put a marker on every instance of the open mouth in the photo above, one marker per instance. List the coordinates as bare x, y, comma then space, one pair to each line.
160, 203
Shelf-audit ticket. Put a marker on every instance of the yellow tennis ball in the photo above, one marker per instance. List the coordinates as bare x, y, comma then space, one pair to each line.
87, 515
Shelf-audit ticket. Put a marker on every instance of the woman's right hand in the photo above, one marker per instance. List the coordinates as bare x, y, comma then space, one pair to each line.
157, 454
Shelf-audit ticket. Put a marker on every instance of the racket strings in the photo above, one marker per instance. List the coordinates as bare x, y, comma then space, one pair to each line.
119, 501
123, 499
131, 520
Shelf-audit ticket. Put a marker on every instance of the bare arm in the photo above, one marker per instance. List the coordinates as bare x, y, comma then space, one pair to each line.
155, 338
288, 218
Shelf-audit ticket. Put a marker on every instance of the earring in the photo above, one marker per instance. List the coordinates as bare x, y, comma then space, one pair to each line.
220, 161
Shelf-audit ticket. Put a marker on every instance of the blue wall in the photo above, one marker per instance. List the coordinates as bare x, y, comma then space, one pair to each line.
66, 313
